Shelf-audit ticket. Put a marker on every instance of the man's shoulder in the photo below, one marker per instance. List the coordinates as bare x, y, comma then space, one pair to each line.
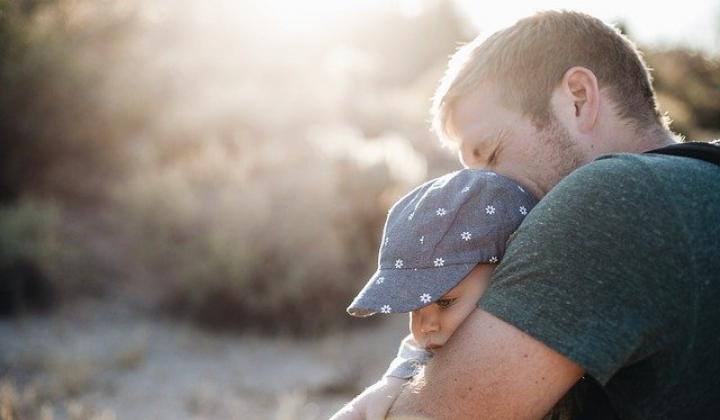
636, 175
647, 162
638, 164
609, 178
618, 193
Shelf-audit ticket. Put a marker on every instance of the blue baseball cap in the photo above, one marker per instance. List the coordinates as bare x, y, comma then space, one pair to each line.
435, 235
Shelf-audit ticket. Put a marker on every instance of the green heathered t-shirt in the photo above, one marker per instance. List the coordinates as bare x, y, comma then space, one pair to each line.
618, 269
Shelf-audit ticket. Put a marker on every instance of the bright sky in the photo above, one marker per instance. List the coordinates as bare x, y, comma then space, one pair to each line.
694, 23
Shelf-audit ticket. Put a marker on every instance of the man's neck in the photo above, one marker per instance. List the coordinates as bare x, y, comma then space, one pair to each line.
632, 140
656, 137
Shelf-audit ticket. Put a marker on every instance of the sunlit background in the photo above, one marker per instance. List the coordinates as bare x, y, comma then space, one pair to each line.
192, 191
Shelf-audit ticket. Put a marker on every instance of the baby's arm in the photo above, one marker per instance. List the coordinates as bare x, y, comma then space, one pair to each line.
376, 400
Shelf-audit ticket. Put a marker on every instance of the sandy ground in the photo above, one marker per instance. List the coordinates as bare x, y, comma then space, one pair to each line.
110, 361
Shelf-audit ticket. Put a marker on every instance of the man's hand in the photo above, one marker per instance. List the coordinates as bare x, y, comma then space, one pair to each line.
373, 403
489, 370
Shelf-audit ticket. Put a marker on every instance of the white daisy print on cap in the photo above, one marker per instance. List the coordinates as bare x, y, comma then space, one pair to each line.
439, 262
425, 298
466, 236
399, 263
385, 309
490, 209
523, 210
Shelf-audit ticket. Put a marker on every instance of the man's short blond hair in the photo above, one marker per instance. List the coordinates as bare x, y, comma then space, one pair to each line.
526, 62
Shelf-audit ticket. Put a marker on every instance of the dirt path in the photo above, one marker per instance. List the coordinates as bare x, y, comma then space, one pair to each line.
99, 360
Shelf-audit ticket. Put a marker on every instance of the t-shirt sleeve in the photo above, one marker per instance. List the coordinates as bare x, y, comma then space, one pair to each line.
593, 271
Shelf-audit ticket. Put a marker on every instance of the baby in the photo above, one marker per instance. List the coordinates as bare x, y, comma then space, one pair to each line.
439, 248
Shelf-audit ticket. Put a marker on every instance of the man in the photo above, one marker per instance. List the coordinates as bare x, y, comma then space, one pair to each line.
615, 274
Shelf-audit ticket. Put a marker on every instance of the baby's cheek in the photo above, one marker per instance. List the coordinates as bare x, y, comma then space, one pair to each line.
451, 323
448, 331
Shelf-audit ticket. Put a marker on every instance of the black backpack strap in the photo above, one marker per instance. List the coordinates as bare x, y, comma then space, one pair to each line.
709, 152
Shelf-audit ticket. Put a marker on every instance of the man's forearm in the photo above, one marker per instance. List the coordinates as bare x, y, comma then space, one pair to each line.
488, 369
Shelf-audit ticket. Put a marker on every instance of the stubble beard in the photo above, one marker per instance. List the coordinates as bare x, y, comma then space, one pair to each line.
559, 151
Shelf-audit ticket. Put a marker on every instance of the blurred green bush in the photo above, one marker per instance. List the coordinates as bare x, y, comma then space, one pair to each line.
32, 256
50, 255
30, 231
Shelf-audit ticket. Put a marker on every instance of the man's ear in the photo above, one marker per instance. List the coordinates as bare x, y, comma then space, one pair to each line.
581, 93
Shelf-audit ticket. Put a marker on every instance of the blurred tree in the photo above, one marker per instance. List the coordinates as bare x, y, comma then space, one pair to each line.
59, 132
687, 84
688, 87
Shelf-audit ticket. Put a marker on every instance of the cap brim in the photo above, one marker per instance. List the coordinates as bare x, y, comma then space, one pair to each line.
406, 290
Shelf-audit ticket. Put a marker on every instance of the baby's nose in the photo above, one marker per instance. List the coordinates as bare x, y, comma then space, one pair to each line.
430, 321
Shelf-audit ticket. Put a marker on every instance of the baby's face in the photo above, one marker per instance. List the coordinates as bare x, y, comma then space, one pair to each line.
432, 325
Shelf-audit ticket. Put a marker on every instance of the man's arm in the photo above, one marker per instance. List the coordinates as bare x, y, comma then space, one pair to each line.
489, 370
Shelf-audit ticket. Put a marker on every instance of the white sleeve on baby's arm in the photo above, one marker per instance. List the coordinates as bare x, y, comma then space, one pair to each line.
409, 360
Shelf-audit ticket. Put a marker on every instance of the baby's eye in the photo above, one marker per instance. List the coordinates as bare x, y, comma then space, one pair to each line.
445, 303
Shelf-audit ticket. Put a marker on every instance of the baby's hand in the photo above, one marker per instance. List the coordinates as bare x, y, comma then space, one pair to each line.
374, 402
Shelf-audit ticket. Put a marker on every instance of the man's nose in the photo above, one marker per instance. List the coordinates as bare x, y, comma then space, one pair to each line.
469, 157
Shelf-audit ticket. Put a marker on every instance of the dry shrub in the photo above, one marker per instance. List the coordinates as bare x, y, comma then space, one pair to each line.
42, 260
276, 238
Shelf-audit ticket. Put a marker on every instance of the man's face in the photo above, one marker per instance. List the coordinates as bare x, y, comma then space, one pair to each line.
489, 135
432, 325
